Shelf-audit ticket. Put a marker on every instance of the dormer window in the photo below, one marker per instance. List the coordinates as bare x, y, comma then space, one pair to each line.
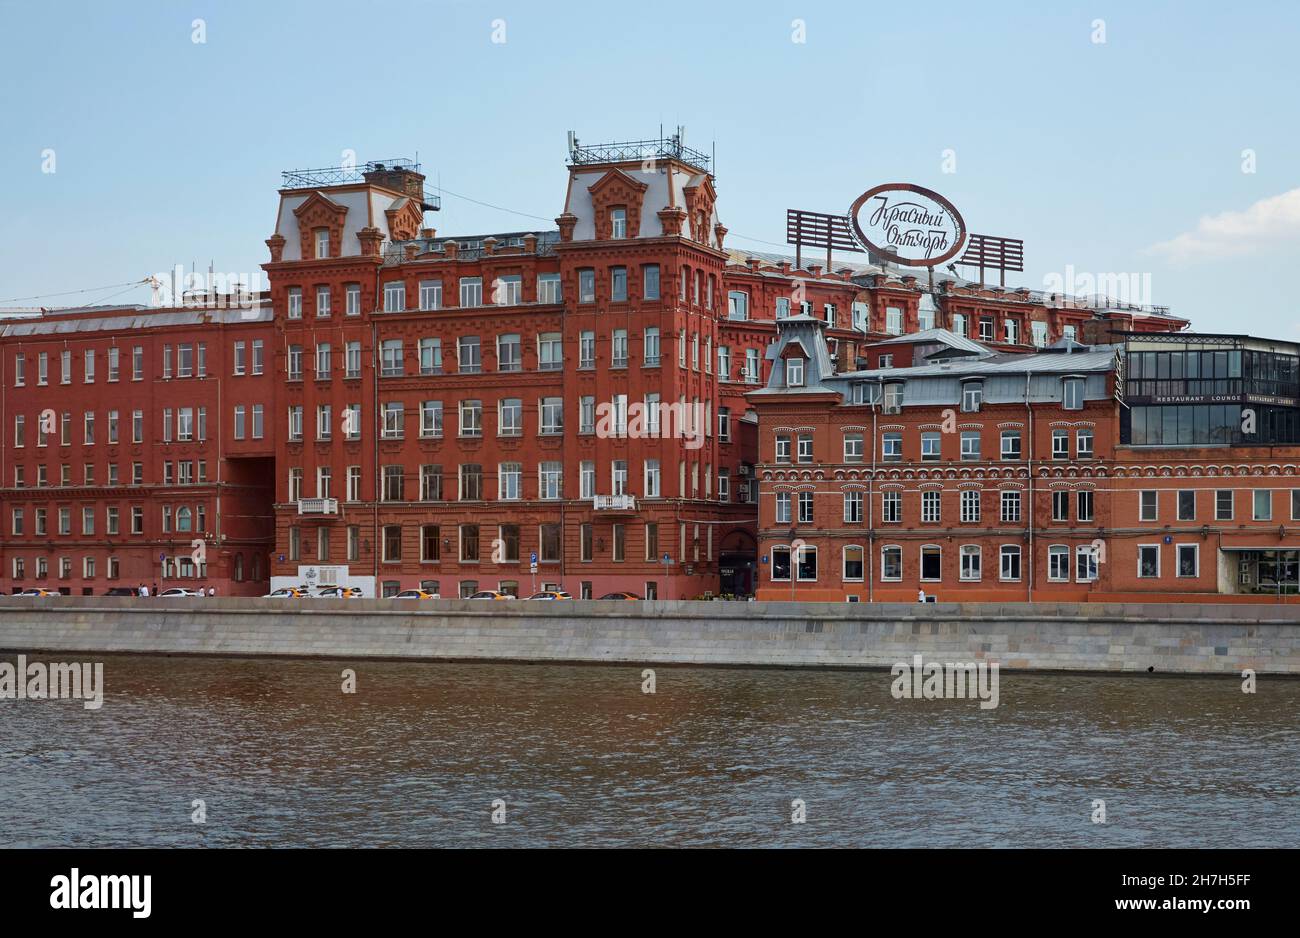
794, 372
618, 223
322, 242
1072, 394
972, 395
893, 399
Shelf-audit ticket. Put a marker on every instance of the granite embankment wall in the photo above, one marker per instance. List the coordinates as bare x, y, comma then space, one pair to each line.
1043, 636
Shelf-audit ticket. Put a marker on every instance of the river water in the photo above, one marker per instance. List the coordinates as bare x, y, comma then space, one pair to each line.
581, 756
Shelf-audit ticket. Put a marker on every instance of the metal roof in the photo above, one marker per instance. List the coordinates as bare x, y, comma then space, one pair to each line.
943, 337
142, 319
1098, 358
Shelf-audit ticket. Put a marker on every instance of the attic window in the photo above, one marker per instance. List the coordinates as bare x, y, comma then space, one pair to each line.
794, 372
1072, 394
892, 402
972, 395
618, 222
322, 242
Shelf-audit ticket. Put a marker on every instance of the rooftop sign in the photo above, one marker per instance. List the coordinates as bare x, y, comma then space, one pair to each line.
908, 224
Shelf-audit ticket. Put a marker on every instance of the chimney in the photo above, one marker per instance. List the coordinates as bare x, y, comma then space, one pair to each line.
815, 270
530, 244
428, 234
489, 245
398, 179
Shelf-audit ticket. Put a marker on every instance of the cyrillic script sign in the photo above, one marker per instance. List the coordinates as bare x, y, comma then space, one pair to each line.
913, 226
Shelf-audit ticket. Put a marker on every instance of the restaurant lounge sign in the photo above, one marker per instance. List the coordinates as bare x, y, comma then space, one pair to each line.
911, 225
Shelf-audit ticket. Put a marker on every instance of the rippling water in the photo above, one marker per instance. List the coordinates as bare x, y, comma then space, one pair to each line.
583, 758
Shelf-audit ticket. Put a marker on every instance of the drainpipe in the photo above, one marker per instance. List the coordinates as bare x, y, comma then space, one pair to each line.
871, 503
1029, 464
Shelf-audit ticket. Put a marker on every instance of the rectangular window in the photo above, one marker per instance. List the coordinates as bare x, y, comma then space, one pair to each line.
471, 418
970, 445
1010, 444
1223, 505
1085, 500
931, 507
510, 356
1083, 444
650, 282
1149, 561
322, 302
352, 299
970, 563
737, 305
510, 417
548, 288
1263, 505
1010, 562
1186, 505
891, 507
931, 563
1148, 506
469, 355
550, 351
852, 507
586, 285
970, 506
394, 297
853, 447
618, 284
1058, 564
1010, 508
930, 447
891, 447
1189, 561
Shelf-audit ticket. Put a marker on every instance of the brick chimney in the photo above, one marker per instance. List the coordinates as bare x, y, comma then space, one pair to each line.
398, 179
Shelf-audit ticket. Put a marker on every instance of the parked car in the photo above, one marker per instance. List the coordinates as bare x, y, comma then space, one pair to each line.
39, 591
552, 594
415, 594
492, 594
339, 592
288, 592
175, 591
621, 594
122, 591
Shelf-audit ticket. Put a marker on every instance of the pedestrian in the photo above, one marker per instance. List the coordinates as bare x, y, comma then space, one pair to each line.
155, 589
920, 596
144, 590
212, 591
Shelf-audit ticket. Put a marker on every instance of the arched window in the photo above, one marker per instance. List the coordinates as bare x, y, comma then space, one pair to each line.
239, 568
183, 522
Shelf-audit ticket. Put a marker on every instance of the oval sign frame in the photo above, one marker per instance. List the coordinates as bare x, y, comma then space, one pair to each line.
958, 244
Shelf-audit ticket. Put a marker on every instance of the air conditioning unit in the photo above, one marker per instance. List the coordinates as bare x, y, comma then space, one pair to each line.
744, 490
744, 469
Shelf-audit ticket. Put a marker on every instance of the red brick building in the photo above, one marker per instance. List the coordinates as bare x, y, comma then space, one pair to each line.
962, 473
121, 461
406, 408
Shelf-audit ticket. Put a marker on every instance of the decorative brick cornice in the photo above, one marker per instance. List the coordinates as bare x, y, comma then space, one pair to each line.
276, 243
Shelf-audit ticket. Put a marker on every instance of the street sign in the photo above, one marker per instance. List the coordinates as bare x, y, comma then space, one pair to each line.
532, 568
667, 560
532, 558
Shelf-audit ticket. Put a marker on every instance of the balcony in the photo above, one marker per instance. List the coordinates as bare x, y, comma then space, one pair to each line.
318, 506
614, 503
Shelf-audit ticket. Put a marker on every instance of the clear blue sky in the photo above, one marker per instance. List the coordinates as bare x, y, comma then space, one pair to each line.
1096, 154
